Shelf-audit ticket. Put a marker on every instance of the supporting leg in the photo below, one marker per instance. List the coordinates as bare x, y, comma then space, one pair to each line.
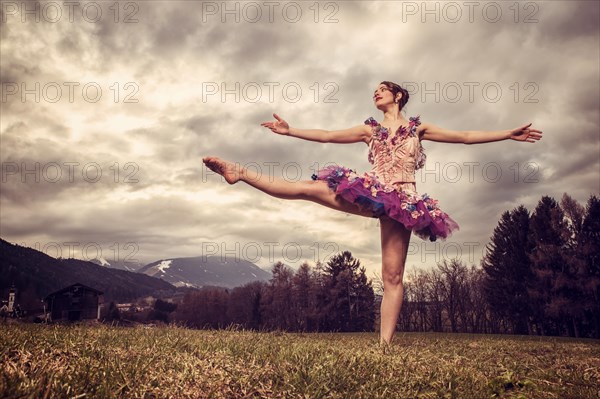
394, 245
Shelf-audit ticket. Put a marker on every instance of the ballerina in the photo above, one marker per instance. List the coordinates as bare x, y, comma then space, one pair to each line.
388, 192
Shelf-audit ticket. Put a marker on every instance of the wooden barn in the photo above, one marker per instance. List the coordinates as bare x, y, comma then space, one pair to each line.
75, 302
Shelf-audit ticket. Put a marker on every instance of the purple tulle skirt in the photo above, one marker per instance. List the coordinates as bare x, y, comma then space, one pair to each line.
419, 213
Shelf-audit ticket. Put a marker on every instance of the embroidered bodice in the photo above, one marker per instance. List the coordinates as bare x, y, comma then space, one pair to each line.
395, 157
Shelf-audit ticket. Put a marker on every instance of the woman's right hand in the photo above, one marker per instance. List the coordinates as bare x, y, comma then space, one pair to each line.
279, 126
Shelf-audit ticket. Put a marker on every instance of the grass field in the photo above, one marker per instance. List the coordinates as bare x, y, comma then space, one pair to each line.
40, 361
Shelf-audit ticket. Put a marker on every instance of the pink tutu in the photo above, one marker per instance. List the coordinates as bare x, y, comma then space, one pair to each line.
419, 213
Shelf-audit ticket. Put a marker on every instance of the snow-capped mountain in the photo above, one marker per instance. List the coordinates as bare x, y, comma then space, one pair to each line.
210, 270
121, 265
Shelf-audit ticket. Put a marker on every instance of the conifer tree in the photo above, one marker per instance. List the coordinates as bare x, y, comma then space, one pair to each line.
590, 249
349, 296
574, 276
549, 290
508, 269
301, 296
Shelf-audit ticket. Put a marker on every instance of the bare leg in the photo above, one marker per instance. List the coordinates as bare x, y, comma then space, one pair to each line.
309, 190
394, 246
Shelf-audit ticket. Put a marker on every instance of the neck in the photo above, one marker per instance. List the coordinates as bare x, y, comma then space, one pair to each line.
393, 115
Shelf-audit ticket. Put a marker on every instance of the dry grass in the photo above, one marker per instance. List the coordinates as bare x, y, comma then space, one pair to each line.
40, 361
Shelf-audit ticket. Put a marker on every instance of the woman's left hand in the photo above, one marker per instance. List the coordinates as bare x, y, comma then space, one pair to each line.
524, 133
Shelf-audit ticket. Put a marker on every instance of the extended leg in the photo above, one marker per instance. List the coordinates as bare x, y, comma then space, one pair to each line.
394, 246
309, 190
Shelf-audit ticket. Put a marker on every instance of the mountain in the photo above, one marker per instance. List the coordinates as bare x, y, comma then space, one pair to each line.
121, 265
39, 275
205, 270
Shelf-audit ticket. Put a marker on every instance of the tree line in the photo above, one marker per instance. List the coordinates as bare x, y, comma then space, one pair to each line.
540, 276
336, 296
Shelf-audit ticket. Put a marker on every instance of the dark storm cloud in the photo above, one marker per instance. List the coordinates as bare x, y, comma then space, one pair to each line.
578, 165
144, 227
16, 72
582, 22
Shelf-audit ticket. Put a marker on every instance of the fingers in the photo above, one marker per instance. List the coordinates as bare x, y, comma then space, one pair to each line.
271, 125
532, 138
524, 127
535, 133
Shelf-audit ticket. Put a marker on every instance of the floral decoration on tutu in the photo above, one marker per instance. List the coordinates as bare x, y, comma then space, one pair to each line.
419, 213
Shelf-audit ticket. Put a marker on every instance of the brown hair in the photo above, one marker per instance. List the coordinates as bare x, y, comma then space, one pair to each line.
395, 89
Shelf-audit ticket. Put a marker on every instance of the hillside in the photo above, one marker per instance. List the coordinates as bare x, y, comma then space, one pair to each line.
38, 274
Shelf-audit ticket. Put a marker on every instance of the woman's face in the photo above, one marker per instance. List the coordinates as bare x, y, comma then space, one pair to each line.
383, 96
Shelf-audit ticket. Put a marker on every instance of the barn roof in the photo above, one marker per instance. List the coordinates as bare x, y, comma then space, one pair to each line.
68, 288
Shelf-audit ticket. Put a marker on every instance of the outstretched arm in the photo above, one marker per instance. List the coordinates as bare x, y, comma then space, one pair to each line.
352, 135
435, 133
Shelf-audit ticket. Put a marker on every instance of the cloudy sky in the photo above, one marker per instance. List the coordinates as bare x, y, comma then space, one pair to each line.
108, 108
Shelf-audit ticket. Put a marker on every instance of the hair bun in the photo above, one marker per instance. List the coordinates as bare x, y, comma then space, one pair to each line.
395, 89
